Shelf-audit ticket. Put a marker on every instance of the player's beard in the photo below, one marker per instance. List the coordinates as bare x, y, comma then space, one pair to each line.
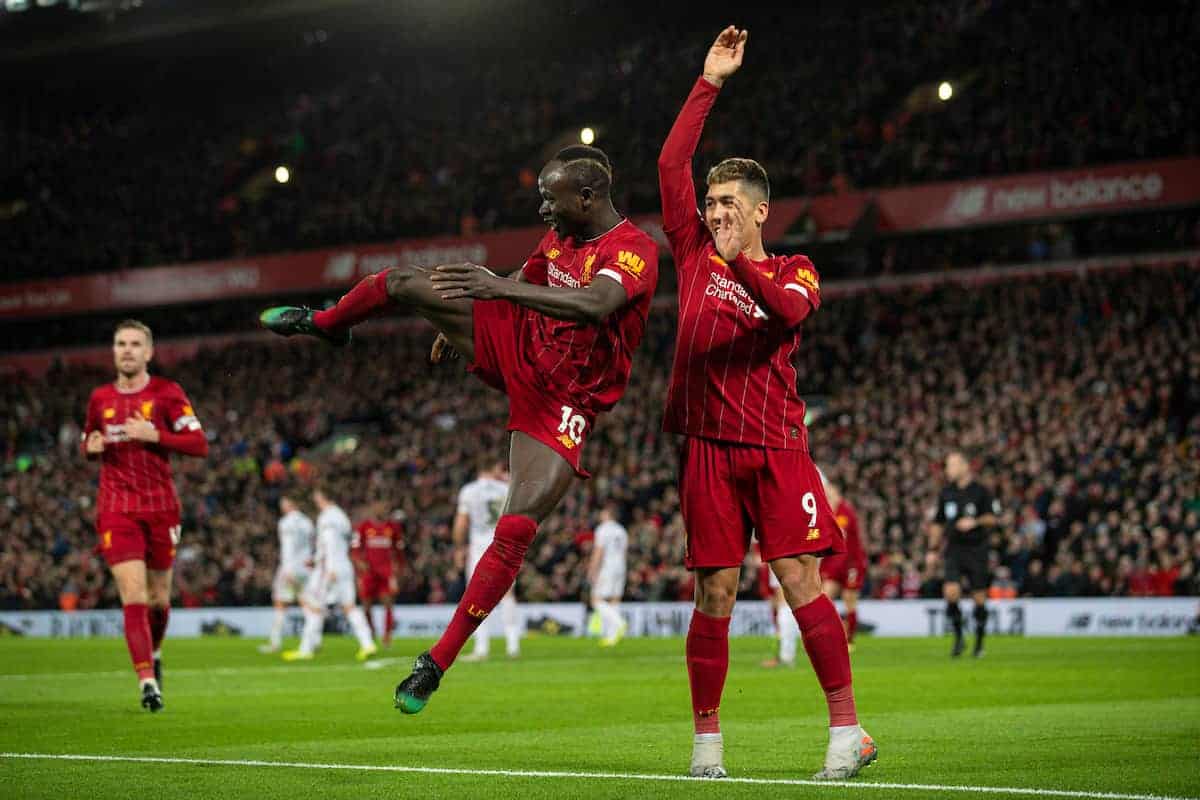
129, 370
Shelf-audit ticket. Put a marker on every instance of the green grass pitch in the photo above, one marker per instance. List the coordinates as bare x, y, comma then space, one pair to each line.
1085, 715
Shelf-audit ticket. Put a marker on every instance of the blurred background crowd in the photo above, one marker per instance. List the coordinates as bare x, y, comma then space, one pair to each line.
1077, 395
405, 126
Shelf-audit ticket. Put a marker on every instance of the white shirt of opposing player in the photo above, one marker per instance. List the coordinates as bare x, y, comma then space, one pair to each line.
334, 533
613, 539
295, 542
482, 500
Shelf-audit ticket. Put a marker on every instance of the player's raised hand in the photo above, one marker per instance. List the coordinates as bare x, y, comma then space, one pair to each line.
94, 443
725, 56
140, 429
456, 281
730, 236
442, 350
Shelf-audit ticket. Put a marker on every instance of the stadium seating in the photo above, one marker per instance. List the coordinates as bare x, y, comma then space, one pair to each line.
121, 168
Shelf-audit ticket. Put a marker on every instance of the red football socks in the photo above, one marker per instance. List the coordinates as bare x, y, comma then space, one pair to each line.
493, 577
825, 643
851, 625
137, 637
389, 622
368, 299
158, 625
707, 663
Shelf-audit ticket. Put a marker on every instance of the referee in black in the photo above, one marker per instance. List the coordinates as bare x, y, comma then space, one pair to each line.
966, 514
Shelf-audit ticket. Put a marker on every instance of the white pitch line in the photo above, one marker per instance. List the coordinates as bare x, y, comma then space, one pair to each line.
514, 773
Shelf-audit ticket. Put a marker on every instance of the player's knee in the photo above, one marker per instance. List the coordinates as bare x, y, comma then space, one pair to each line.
715, 597
399, 281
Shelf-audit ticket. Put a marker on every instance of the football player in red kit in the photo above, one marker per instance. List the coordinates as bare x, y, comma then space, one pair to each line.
133, 425
744, 460
559, 341
842, 575
378, 554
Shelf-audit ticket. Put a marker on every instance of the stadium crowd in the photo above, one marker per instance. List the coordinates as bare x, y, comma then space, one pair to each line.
1077, 396
115, 167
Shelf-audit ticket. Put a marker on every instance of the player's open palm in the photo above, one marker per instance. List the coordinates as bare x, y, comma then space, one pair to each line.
725, 56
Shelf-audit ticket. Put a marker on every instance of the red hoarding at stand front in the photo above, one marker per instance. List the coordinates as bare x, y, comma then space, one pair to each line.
1128, 187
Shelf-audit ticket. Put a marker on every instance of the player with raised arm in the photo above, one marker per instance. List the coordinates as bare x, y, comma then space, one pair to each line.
331, 583
133, 425
968, 511
378, 553
744, 461
559, 341
296, 533
842, 574
606, 575
480, 505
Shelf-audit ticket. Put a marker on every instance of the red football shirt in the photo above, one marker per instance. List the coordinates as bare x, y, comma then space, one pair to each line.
733, 378
588, 365
135, 477
847, 520
380, 543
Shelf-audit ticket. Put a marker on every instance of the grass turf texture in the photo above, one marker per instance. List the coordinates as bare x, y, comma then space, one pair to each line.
1098, 715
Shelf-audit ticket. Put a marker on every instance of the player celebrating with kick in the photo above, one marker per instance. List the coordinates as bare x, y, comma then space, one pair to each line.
744, 461
559, 342
133, 425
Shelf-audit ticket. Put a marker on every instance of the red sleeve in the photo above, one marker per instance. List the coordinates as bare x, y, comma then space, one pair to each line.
788, 297
534, 270
682, 222
634, 265
183, 434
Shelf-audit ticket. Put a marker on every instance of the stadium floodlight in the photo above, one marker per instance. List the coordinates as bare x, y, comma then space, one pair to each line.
16, 5
282, 174
587, 136
945, 91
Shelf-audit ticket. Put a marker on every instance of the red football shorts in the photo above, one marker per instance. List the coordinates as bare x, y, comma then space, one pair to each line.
840, 568
728, 491
149, 536
499, 363
373, 585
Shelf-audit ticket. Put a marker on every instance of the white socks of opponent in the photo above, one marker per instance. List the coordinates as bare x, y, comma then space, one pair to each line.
512, 632
789, 635
610, 620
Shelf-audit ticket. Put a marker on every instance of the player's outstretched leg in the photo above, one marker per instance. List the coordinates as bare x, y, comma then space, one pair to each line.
376, 295
293, 320
540, 477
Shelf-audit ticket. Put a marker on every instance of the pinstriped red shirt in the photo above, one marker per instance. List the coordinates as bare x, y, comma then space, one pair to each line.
734, 377
589, 365
135, 477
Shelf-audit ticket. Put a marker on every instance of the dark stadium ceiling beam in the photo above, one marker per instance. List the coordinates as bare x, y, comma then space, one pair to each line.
132, 30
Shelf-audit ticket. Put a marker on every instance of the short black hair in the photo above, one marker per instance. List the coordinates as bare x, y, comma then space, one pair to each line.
576, 152
746, 170
587, 167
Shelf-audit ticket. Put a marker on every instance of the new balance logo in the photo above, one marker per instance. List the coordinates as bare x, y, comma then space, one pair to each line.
813, 534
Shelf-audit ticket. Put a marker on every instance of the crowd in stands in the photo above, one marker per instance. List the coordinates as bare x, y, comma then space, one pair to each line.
395, 132
1077, 398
